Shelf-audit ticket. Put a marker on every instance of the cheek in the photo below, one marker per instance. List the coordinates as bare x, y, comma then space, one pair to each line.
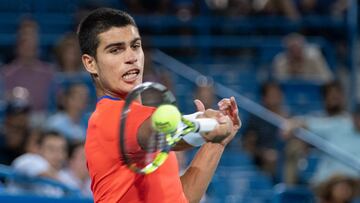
142, 59
109, 72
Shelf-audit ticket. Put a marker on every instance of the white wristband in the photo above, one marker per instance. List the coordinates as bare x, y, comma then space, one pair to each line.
194, 139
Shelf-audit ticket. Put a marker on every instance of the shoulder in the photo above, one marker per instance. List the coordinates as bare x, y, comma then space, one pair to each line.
59, 116
30, 164
56, 121
110, 109
106, 110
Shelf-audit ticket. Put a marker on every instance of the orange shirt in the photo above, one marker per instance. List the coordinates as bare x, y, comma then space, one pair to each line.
111, 180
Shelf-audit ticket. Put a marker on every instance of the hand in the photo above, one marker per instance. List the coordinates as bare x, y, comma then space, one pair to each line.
229, 107
289, 126
225, 131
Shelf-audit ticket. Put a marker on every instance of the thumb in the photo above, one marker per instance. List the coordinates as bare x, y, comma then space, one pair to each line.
199, 105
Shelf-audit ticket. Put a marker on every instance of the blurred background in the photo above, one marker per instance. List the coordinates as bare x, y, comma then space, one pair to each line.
293, 66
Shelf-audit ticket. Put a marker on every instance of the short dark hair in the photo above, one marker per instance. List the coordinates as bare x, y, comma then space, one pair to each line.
46, 134
73, 147
98, 21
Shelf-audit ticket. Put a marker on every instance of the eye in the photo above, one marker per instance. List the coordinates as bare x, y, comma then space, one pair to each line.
136, 45
114, 50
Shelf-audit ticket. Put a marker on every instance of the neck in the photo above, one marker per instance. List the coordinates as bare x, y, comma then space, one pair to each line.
100, 92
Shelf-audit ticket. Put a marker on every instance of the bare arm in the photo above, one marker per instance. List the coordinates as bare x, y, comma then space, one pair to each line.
197, 177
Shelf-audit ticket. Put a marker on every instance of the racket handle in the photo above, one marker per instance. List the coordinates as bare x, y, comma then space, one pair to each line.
206, 124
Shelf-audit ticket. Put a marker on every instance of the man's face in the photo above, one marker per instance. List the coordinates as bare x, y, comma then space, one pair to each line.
119, 60
53, 149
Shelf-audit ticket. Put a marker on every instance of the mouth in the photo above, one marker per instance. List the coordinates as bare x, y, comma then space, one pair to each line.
131, 75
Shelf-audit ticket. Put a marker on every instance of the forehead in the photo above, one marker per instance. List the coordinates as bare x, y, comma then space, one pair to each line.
118, 34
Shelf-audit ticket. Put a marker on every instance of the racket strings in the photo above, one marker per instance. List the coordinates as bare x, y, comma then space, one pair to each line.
157, 147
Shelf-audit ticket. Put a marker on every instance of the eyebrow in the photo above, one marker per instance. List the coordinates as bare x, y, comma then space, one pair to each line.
122, 43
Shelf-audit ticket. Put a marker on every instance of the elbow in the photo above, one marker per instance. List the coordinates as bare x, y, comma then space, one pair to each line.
191, 194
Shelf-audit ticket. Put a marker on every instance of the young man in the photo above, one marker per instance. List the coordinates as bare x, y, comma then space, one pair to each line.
112, 54
48, 162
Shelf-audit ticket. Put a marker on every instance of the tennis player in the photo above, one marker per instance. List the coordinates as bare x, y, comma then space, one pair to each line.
112, 54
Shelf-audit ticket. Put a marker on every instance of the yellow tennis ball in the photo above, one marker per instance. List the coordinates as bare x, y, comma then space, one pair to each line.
166, 118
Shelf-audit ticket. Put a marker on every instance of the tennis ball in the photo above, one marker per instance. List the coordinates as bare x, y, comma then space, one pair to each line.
166, 118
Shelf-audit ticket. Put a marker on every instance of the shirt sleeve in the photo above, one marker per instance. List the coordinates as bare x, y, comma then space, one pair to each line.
135, 119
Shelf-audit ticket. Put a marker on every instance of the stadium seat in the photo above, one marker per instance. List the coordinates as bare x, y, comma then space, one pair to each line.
307, 166
296, 194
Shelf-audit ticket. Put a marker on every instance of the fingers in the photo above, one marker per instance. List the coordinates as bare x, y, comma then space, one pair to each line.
234, 105
229, 107
235, 113
224, 104
199, 105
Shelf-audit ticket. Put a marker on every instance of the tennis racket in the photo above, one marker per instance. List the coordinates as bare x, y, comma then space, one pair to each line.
158, 144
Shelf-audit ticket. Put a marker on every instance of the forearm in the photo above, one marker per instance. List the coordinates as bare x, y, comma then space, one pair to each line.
201, 170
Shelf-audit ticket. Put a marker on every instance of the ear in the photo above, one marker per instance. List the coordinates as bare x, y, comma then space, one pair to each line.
89, 64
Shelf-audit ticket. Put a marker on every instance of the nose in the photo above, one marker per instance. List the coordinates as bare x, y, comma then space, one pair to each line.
130, 56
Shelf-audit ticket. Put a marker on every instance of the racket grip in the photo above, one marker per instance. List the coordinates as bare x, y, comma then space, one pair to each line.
206, 124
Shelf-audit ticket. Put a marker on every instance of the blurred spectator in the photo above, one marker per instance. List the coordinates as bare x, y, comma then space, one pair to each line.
339, 7
321, 7
261, 139
75, 175
71, 120
14, 132
230, 7
314, 7
346, 138
27, 70
284, 8
47, 163
31, 144
50, 159
301, 61
160, 7
184, 9
334, 124
68, 57
338, 189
